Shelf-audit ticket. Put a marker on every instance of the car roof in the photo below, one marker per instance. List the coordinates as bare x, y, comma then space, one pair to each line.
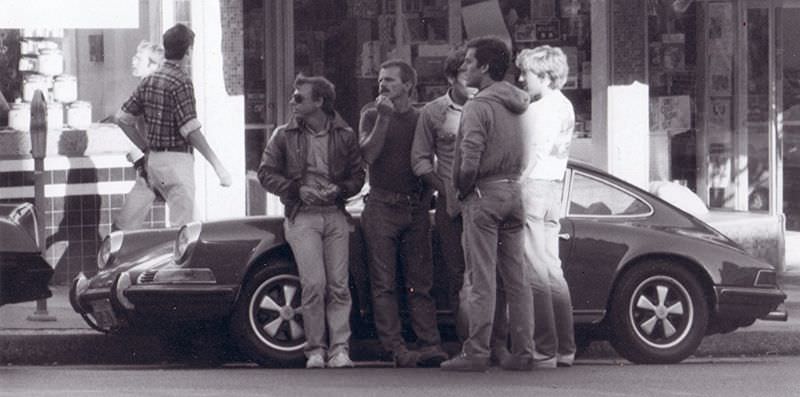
580, 164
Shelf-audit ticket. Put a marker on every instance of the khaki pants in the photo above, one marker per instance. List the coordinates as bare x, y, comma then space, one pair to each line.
554, 335
320, 243
171, 174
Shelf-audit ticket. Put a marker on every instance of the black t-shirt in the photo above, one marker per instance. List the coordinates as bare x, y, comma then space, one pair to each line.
392, 169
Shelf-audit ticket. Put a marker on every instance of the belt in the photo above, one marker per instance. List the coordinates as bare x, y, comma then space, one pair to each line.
494, 180
181, 149
487, 183
390, 197
319, 209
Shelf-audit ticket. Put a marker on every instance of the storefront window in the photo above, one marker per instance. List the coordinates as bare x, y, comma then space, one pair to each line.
709, 114
758, 109
347, 40
788, 101
714, 113
672, 79
564, 24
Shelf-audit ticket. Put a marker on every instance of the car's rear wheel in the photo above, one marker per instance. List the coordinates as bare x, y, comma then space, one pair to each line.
659, 313
267, 323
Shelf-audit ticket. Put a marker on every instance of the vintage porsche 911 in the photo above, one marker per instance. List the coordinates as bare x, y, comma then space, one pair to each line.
24, 274
642, 273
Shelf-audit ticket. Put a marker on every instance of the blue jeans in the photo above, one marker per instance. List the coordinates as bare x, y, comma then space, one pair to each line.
320, 243
392, 231
450, 230
493, 245
554, 335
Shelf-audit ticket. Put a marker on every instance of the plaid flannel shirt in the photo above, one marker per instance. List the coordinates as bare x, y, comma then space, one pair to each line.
166, 99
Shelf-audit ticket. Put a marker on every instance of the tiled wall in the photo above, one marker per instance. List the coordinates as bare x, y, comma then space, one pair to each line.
75, 224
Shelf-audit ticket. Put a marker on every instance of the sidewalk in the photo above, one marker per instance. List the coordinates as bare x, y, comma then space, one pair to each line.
68, 340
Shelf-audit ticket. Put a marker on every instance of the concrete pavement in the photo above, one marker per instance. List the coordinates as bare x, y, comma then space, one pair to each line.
68, 340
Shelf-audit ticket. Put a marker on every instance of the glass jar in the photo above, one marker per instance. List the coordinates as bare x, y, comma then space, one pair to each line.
19, 116
65, 88
35, 82
55, 116
79, 115
51, 61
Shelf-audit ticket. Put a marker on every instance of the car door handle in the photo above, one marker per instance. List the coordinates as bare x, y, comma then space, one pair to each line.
564, 236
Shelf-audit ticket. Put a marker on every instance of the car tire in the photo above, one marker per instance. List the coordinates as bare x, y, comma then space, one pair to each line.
266, 324
658, 313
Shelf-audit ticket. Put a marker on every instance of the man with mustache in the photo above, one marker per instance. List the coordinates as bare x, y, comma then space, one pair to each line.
395, 220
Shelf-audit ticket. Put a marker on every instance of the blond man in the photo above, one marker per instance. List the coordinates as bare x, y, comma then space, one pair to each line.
549, 123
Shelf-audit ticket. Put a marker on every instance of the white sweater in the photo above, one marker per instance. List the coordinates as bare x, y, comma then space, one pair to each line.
548, 124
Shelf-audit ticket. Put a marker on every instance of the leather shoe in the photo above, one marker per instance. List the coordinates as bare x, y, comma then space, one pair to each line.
465, 363
431, 357
406, 359
499, 355
516, 363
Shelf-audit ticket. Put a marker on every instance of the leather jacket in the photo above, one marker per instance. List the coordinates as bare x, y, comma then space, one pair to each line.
284, 162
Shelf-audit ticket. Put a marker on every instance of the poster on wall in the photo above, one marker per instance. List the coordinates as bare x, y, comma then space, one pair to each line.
719, 120
720, 48
671, 114
672, 51
719, 173
485, 19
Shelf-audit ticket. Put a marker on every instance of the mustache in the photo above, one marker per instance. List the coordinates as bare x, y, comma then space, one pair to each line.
384, 90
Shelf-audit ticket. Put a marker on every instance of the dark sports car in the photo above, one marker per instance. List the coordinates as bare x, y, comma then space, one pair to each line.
24, 274
642, 273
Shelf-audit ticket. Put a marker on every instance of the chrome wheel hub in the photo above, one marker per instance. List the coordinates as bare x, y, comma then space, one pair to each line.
275, 313
661, 312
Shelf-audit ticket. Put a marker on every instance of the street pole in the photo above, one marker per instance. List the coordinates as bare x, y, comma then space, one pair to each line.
38, 151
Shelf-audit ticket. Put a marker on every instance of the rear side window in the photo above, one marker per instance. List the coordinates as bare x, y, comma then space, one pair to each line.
592, 197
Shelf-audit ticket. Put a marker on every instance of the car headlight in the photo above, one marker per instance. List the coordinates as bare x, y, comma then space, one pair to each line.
766, 278
187, 238
109, 249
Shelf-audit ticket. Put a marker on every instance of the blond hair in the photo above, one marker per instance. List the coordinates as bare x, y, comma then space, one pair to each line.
545, 61
155, 52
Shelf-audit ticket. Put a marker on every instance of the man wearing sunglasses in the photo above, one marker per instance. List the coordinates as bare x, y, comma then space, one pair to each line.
395, 220
313, 163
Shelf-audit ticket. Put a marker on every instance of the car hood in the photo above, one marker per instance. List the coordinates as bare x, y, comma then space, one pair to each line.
141, 251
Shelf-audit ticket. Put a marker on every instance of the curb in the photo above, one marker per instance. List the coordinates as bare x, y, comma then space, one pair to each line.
85, 347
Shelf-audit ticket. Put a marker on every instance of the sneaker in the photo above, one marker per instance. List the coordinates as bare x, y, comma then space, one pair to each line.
340, 360
545, 363
431, 357
565, 360
406, 359
517, 363
465, 363
315, 361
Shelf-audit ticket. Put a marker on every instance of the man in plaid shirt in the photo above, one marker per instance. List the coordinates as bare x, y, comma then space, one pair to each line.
166, 100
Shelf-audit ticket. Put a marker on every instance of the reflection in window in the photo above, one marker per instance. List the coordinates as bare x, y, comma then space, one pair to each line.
592, 197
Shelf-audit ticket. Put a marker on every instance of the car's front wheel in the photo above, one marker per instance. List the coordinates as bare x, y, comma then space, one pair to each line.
659, 313
267, 323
